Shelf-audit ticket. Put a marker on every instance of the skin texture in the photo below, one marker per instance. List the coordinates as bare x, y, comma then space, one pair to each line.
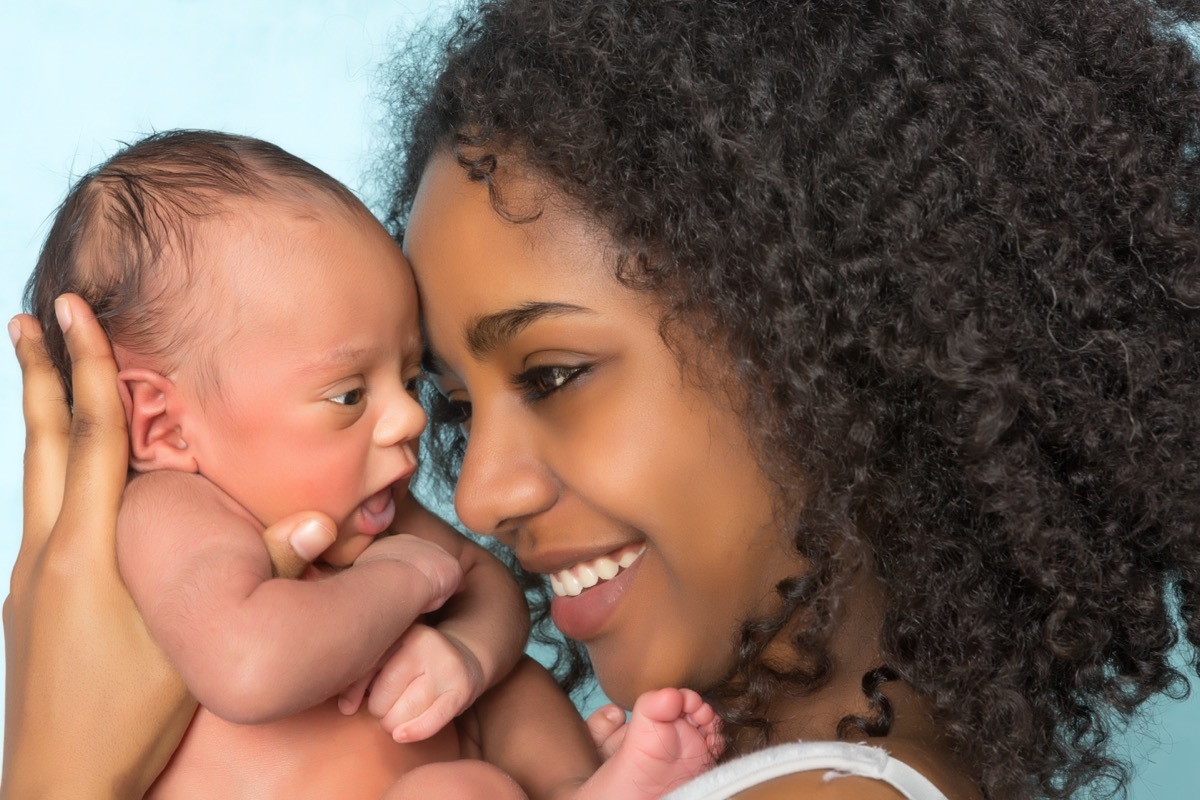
500, 736
310, 754
318, 370
337, 391
68, 538
317, 414
312, 406
950, 250
627, 453
556, 464
668, 727
945, 257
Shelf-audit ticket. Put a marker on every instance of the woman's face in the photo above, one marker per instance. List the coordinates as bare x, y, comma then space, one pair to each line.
589, 451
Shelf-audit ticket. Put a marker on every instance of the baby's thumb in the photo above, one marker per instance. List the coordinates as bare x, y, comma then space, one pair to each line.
294, 542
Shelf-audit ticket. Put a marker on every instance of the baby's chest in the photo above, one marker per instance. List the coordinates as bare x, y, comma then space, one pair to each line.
319, 753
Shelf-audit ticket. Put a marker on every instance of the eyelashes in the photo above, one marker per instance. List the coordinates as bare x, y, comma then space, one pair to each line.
538, 383
444, 411
535, 385
349, 398
355, 396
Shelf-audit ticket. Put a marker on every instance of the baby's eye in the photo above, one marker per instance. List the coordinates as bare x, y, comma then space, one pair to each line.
350, 398
413, 387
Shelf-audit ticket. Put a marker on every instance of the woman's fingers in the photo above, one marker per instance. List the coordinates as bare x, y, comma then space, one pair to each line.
79, 659
98, 453
295, 542
47, 422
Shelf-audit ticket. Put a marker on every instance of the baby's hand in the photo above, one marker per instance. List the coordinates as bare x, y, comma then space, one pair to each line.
441, 570
426, 680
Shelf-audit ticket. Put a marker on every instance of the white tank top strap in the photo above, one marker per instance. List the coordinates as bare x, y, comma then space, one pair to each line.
835, 758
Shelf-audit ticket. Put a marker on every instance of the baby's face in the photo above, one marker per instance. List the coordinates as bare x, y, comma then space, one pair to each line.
314, 407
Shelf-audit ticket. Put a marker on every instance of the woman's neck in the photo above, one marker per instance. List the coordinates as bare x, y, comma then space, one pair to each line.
854, 651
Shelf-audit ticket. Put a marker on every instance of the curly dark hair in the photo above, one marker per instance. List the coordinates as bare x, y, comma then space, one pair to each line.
953, 250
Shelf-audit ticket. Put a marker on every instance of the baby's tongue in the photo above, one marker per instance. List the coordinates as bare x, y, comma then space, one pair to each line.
377, 502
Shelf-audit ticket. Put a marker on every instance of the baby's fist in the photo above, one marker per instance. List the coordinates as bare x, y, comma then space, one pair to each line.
441, 570
426, 681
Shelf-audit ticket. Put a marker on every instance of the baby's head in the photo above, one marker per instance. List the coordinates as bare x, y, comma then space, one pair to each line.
264, 324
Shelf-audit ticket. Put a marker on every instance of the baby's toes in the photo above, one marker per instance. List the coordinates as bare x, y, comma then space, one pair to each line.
660, 705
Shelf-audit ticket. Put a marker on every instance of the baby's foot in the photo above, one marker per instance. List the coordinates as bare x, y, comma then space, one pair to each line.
671, 737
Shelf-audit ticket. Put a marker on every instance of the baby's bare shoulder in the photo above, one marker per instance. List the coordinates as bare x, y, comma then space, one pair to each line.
167, 482
153, 495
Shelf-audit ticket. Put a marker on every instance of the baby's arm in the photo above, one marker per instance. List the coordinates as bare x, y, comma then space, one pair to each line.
488, 616
476, 638
527, 726
252, 647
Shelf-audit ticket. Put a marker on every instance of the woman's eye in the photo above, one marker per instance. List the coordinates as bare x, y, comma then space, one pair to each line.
540, 382
460, 414
448, 411
350, 398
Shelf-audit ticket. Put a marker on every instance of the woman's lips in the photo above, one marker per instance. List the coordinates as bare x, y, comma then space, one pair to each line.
585, 599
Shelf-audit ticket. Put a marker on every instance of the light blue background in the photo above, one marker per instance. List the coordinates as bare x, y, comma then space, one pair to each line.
80, 77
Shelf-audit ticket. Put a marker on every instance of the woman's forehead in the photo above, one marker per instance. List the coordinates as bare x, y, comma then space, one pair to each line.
466, 254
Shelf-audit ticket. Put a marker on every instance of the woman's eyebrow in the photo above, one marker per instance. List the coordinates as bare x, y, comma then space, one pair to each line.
485, 334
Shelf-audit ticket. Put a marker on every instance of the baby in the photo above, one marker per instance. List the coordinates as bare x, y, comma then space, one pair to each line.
266, 332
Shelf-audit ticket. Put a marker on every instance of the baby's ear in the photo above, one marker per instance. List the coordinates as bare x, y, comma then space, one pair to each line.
154, 411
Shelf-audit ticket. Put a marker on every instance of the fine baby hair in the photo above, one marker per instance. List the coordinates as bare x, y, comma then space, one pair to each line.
121, 238
948, 256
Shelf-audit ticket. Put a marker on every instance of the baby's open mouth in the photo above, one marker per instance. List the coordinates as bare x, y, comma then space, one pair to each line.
377, 512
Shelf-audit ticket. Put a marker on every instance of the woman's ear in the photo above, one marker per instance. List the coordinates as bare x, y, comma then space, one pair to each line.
154, 410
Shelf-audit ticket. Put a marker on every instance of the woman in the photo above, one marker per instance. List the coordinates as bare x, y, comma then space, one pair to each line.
864, 335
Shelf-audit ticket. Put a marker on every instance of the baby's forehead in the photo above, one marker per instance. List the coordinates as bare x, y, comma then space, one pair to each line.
291, 257
258, 233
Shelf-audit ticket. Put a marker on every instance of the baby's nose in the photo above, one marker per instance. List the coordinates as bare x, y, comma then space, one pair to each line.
403, 421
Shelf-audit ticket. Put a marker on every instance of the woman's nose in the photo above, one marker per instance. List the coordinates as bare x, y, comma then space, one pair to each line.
401, 421
503, 480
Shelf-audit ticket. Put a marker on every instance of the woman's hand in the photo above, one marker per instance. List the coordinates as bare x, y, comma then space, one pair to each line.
93, 708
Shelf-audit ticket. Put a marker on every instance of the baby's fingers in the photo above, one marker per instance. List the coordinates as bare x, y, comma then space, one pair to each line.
97, 455
47, 423
423, 684
422, 711
351, 697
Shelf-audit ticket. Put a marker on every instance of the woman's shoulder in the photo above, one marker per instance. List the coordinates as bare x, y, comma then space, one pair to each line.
882, 769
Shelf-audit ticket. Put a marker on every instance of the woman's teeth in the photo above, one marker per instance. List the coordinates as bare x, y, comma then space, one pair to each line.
586, 574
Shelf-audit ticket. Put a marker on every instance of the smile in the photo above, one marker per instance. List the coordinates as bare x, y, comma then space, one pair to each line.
571, 582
